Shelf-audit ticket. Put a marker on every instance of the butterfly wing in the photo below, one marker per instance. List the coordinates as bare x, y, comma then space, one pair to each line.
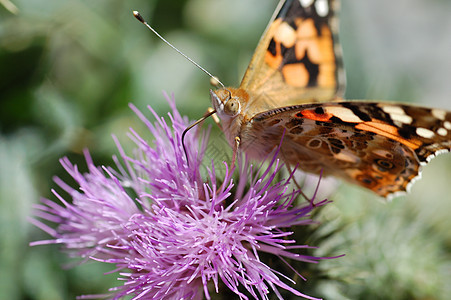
295, 61
379, 146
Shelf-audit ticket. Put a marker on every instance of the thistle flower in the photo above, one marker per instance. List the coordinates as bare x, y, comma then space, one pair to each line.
181, 235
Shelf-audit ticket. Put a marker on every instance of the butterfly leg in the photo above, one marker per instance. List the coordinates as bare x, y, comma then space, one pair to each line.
232, 165
211, 113
297, 184
215, 117
235, 150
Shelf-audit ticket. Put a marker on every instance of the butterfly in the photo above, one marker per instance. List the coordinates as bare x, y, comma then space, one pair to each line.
293, 88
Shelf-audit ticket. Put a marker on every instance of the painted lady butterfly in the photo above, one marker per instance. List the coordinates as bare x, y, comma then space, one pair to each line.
293, 87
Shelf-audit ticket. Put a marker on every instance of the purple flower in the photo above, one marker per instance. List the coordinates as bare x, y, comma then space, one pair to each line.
181, 235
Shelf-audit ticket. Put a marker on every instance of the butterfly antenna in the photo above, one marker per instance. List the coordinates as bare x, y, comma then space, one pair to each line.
141, 19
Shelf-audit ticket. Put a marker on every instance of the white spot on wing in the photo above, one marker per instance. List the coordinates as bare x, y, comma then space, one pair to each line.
322, 8
286, 35
391, 109
426, 133
397, 113
442, 131
344, 114
439, 114
447, 125
405, 119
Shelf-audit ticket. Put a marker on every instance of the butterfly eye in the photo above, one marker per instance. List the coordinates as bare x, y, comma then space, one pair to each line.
232, 107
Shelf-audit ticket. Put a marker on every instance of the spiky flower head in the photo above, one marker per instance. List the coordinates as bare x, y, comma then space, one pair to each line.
170, 232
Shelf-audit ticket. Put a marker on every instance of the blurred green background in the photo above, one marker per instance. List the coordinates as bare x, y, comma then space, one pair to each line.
68, 70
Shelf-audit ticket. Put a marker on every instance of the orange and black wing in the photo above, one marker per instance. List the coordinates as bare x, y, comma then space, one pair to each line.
298, 58
380, 146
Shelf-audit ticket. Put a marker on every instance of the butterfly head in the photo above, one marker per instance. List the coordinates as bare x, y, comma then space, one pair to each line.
226, 102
